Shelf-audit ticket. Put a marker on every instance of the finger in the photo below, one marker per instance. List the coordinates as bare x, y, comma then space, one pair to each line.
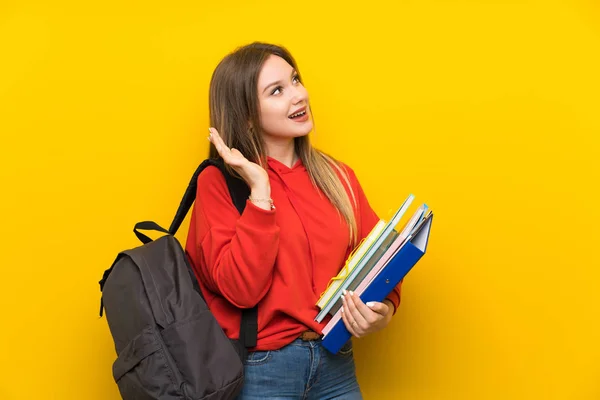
236, 153
361, 307
236, 160
356, 320
231, 156
380, 308
222, 149
213, 132
213, 135
348, 324
361, 321
351, 322
213, 138
216, 139
219, 139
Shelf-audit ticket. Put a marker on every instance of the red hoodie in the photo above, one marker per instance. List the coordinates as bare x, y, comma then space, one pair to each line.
280, 259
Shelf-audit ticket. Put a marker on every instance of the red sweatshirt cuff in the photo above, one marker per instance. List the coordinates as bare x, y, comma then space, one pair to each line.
257, 216
394, 297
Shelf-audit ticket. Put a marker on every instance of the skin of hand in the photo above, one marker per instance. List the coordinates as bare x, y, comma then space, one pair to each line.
362, 319
253, 174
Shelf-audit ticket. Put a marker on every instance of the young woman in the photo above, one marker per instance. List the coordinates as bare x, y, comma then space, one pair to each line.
305, 214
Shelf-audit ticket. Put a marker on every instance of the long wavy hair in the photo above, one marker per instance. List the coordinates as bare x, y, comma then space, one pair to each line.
235, 113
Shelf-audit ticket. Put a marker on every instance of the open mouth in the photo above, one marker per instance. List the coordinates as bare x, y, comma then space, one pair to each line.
298, 114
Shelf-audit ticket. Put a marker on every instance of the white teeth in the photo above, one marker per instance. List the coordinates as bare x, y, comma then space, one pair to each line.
298, 114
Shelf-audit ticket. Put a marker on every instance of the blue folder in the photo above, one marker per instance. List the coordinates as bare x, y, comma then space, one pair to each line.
389, 277
387, 230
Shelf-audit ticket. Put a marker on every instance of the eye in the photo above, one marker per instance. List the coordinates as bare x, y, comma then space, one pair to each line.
277, 90
296, 79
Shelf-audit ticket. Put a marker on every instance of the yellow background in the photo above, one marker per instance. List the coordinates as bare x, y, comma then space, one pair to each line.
486, 110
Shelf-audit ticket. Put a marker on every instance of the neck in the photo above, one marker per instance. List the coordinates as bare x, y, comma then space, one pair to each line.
283, 151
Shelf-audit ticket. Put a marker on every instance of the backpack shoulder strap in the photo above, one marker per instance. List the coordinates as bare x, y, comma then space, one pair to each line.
239, 192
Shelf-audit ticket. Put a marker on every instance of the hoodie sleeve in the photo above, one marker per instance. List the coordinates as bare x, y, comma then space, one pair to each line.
237, 252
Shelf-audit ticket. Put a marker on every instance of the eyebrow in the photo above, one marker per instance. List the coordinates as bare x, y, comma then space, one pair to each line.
278, 82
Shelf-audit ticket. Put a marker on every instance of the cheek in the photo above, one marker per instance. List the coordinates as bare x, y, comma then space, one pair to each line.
272, 114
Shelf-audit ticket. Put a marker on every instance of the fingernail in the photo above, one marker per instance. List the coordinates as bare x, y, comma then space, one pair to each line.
351, 293
342, 308
370, 304
344, 292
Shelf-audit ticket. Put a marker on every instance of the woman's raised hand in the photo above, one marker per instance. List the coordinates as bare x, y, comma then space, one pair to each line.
255, 176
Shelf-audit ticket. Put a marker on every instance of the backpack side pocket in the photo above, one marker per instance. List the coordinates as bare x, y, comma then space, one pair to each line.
143, 369
205, 357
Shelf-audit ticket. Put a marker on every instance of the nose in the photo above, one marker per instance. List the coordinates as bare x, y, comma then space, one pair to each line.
299, 94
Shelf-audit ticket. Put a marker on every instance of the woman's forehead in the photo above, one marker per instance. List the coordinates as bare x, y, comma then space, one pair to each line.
274, 69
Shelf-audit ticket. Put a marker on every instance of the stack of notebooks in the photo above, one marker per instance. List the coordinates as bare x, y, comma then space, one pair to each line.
375, 267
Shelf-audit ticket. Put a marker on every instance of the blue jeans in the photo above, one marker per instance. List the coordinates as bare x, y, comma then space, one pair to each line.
301, 370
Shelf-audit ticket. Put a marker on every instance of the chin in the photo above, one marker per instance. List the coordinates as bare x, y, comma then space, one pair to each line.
304, 133
290, 132
305, 130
